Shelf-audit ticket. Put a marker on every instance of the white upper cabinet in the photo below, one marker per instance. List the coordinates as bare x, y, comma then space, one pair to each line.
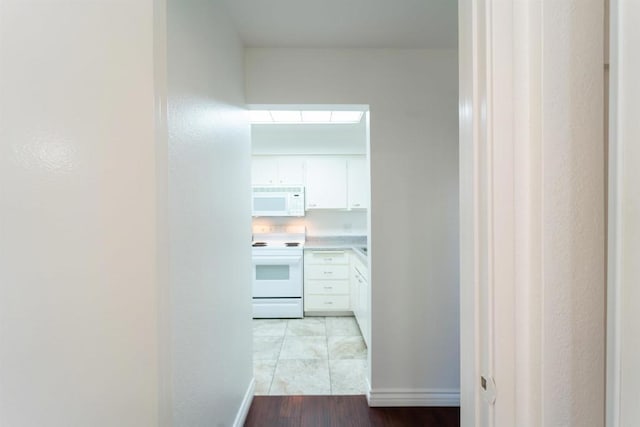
357, 183
264, 171
272, 170
291, 170
331, 182
326, 183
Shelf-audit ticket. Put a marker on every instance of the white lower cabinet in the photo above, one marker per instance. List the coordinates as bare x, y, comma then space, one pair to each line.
360, 292
326, 281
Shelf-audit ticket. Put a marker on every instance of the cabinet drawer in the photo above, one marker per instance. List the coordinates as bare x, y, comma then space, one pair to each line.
326, 257
327, 272
326, 302
326, 287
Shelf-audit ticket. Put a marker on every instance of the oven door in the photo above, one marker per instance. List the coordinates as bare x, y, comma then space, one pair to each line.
277, 276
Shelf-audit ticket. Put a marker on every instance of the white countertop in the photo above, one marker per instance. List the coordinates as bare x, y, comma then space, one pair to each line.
356, 243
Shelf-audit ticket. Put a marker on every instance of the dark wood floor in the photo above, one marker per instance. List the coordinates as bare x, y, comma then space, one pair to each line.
342, 411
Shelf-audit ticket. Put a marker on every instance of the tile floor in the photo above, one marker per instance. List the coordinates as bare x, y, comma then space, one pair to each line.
314, 355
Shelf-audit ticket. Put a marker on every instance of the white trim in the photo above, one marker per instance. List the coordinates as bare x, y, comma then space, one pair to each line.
241, 416
368, 389
623, 368
389, 397
487, 210
469, 303
614, 353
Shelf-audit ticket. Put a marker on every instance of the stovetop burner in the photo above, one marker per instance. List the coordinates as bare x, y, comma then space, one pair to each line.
277, 238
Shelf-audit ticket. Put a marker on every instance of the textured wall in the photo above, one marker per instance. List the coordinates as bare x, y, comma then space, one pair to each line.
209, 216
573, 293
78, 316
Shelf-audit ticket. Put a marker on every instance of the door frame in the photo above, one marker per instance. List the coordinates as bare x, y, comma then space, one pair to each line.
623, 348
511, 137
487, 180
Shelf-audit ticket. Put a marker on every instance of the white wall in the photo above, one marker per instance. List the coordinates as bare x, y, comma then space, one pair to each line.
414, 177
573, 244
624, 216
209, 216
309, 139
78, 316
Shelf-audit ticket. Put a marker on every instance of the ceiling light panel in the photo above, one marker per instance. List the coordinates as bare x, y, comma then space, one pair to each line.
286, 116
346, 116
316, 116
304, 117
260, 116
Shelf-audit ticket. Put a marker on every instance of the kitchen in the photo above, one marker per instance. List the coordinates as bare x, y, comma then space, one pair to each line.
310, 243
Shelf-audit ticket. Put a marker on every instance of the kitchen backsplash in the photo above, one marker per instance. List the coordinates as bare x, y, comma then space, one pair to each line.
323, 223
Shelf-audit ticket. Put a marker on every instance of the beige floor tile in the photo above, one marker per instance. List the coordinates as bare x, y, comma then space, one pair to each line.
347, 348
304, 348
267, 348
269, 327
263, 371
314, 355
309, 326
348, 376
301, 377
342, 326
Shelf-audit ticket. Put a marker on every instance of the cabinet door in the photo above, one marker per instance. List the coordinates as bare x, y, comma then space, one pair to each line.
363, 309
326, 183
264, 171
291, 170
358, 183
354, 288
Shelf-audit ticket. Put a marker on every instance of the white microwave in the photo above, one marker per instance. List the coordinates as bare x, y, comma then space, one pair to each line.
277, 201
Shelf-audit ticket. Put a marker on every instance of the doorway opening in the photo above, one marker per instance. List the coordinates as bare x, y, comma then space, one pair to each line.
311, 233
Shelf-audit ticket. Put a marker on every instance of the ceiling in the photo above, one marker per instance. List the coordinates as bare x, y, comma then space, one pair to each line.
347, 23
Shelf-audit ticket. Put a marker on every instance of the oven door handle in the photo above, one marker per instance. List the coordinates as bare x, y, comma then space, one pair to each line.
276, 260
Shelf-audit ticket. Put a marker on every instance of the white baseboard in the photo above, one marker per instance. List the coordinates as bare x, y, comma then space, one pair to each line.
413, 397
241, 416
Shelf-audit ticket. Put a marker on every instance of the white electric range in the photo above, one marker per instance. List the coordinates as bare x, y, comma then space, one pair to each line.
277, 254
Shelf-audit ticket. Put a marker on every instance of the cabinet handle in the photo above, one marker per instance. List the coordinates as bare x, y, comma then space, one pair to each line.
328, 259
355, 205
328, 302
328, 287
312, 205
328, 272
